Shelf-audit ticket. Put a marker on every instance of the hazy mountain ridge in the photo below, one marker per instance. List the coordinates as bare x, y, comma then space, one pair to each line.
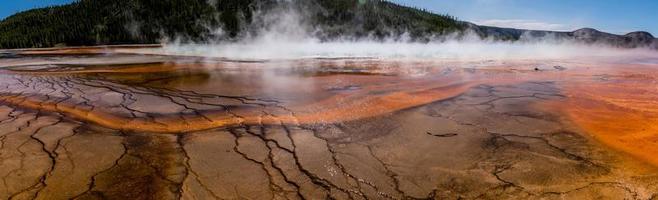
97, 22
638, 39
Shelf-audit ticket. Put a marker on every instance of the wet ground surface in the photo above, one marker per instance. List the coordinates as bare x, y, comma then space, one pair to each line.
90, 125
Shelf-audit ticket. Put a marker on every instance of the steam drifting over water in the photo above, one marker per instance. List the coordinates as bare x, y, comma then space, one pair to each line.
453, 50
284, 34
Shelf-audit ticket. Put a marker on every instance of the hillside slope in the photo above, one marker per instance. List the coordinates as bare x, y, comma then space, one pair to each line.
100, 22
95, 22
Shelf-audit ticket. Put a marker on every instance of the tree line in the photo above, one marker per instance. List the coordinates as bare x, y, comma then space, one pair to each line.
96, 22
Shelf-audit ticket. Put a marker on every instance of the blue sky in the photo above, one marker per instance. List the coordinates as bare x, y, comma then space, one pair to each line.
9, 7
616, 16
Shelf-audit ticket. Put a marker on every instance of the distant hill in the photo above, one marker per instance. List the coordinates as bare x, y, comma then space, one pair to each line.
638, 39
101, 22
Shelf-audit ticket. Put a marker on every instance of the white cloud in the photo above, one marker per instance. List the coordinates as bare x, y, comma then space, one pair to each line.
526, 24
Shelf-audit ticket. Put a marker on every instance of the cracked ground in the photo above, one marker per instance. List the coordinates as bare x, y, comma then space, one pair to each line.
127, 126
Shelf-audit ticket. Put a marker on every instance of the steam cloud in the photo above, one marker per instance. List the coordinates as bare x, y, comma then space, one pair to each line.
285, 35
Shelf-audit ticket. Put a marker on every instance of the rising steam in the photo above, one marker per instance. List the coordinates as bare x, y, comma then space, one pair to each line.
284, 35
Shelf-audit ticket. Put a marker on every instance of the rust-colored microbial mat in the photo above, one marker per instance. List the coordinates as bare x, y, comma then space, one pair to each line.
113, 122
620, 110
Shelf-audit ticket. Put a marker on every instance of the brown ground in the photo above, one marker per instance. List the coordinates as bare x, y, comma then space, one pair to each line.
93, 123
